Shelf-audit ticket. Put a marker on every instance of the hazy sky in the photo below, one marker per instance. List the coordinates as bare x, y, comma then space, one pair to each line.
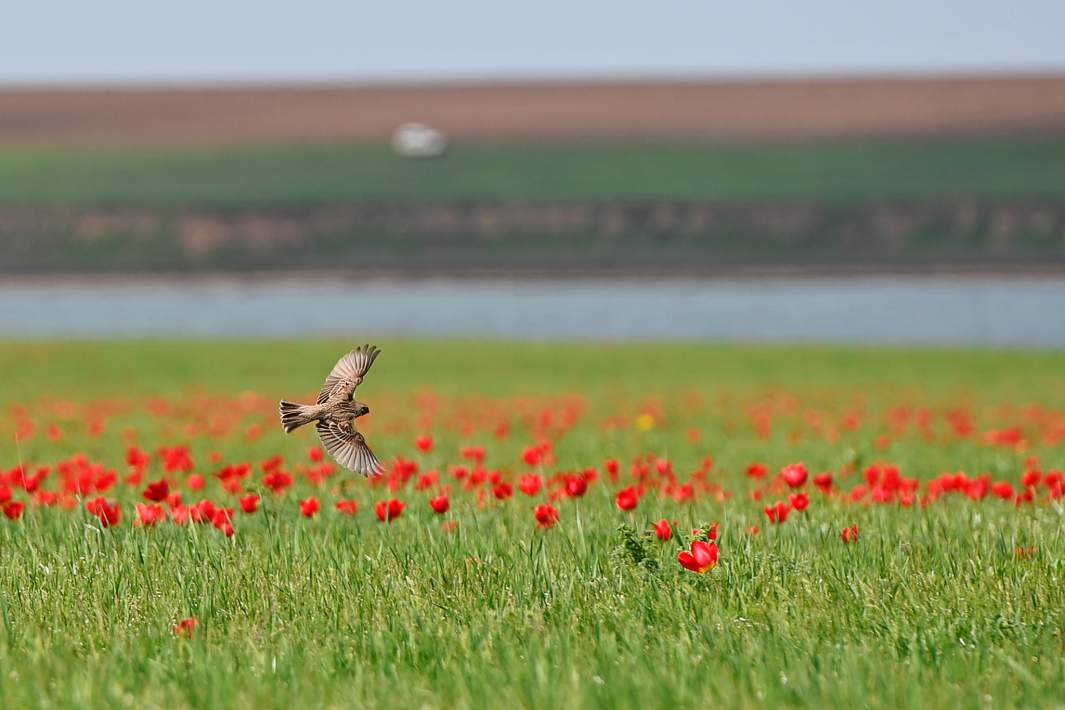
139, 40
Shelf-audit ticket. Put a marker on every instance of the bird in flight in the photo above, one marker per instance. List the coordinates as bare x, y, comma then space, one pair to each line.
336, 412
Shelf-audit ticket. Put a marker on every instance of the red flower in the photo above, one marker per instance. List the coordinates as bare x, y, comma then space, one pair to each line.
546, 515
195, 482
849, 534
473, 453
777, 513
794, 474
277, 481
309, 507
186, 627
157, 491
663, 529
250, 503
612, 467
440, 504
576, 486
799, 501
348, 507
389, 510
1003, 489
627, 498
315, 454
503, 491
424, 443
757, 470
533, 455
823, 481
223, 521
108, 513
702, 558
530, 484
203, 511
149, 514
13, 509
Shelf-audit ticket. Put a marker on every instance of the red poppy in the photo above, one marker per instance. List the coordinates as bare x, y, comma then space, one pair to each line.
530, 484
1003, 489
157, 491
223, 521
612, 467
389, 510
663, 529
309, 507
627, 498
777, 513
440, 504
823, 481
108, 513
315, 454
13, 509
149, 514
348, 507
849, 534
546, 515
473, 453
277, 481
195, 482
799, 501
794, 474
186, 627
250, 503
203, 511
702, 558
503, 491
424, 443
757, 470
576, 486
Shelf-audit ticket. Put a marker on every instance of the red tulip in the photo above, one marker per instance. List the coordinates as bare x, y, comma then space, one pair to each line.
195, 482
389, 510
849, 534
503, 491
424, 443
250, 503
440, 504
546, 515
315, 454
663, 529
777, 513
799, 501
309, 507
824, 482
702, 558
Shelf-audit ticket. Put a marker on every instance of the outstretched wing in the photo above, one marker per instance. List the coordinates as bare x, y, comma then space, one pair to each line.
348, 448
347, 374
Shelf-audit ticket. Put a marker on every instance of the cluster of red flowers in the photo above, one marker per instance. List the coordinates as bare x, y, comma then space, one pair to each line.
169, 484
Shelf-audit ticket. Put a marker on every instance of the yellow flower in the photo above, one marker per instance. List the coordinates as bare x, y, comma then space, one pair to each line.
645, 422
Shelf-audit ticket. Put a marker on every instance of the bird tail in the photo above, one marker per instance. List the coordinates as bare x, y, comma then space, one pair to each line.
294, 415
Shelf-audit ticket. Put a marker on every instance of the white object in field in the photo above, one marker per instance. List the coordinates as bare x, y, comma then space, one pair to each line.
417, 140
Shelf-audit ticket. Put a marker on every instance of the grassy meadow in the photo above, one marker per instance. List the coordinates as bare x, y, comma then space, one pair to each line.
949, 599
321, 174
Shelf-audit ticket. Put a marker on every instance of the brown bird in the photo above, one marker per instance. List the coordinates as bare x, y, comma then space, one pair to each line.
336, 412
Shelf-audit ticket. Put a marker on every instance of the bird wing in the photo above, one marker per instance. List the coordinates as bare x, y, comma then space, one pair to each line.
347, 374
348, 447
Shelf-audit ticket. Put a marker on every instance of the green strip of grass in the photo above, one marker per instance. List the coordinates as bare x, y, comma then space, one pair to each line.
316, 174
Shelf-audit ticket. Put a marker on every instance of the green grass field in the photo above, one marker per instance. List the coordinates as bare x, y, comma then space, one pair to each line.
956, 603
301, 175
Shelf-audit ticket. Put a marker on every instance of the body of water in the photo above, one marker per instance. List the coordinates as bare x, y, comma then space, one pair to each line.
934, 310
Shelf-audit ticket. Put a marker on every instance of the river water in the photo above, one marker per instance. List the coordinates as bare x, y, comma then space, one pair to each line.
930, 310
